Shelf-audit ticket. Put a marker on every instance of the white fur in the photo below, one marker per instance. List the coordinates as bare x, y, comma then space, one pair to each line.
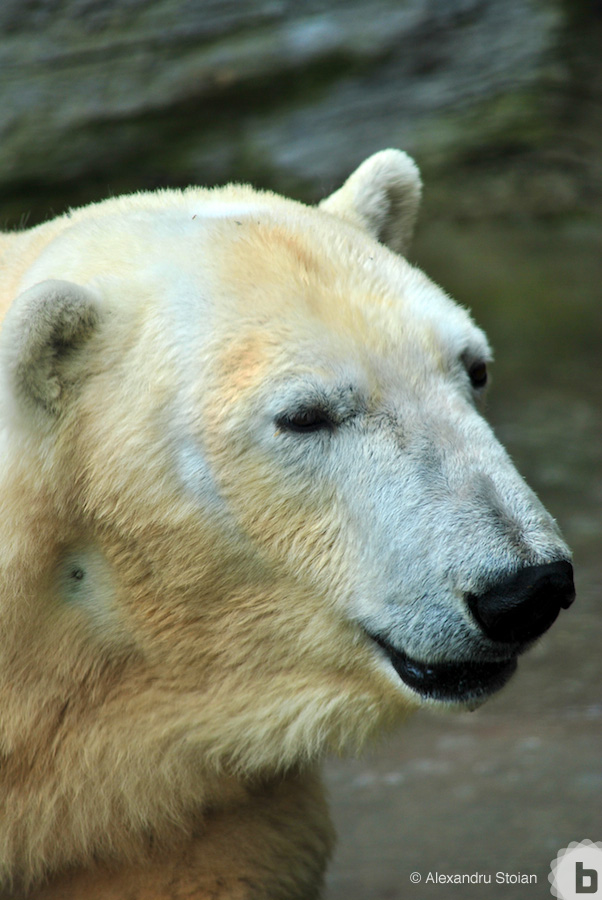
188, 581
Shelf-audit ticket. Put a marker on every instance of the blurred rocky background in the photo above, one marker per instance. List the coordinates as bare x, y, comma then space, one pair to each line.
500, 102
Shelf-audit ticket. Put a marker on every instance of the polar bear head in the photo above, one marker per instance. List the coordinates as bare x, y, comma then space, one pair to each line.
251, 509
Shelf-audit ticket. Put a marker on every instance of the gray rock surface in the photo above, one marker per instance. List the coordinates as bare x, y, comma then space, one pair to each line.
100, 96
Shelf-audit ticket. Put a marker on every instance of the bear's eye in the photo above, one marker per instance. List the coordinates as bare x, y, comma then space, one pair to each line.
477, 373
304, 421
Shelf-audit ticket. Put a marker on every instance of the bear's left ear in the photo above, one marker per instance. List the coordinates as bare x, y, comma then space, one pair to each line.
382, 196
41, 340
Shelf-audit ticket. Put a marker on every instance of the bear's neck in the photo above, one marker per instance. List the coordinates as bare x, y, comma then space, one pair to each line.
273, 843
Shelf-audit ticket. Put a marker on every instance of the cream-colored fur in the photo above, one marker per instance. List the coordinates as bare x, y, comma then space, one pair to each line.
186, 581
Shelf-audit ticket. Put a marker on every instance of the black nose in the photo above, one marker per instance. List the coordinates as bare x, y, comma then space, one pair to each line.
522, 607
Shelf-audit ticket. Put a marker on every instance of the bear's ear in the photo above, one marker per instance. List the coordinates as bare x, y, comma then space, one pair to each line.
382, 196
41, 341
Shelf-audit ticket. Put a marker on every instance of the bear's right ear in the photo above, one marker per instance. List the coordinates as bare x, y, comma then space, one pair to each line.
382, 197
41, 340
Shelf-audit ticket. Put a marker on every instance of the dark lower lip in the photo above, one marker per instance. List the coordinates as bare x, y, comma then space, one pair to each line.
462, 682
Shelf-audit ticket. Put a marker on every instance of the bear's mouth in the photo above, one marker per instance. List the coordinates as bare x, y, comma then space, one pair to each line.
462, 682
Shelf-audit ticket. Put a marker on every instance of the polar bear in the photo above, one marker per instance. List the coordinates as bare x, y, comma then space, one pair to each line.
250, 514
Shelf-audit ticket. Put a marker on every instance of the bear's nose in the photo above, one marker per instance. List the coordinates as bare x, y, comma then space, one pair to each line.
522, 607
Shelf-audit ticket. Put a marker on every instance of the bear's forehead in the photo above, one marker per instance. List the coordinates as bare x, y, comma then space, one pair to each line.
257, 261
316, 283
301, 311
